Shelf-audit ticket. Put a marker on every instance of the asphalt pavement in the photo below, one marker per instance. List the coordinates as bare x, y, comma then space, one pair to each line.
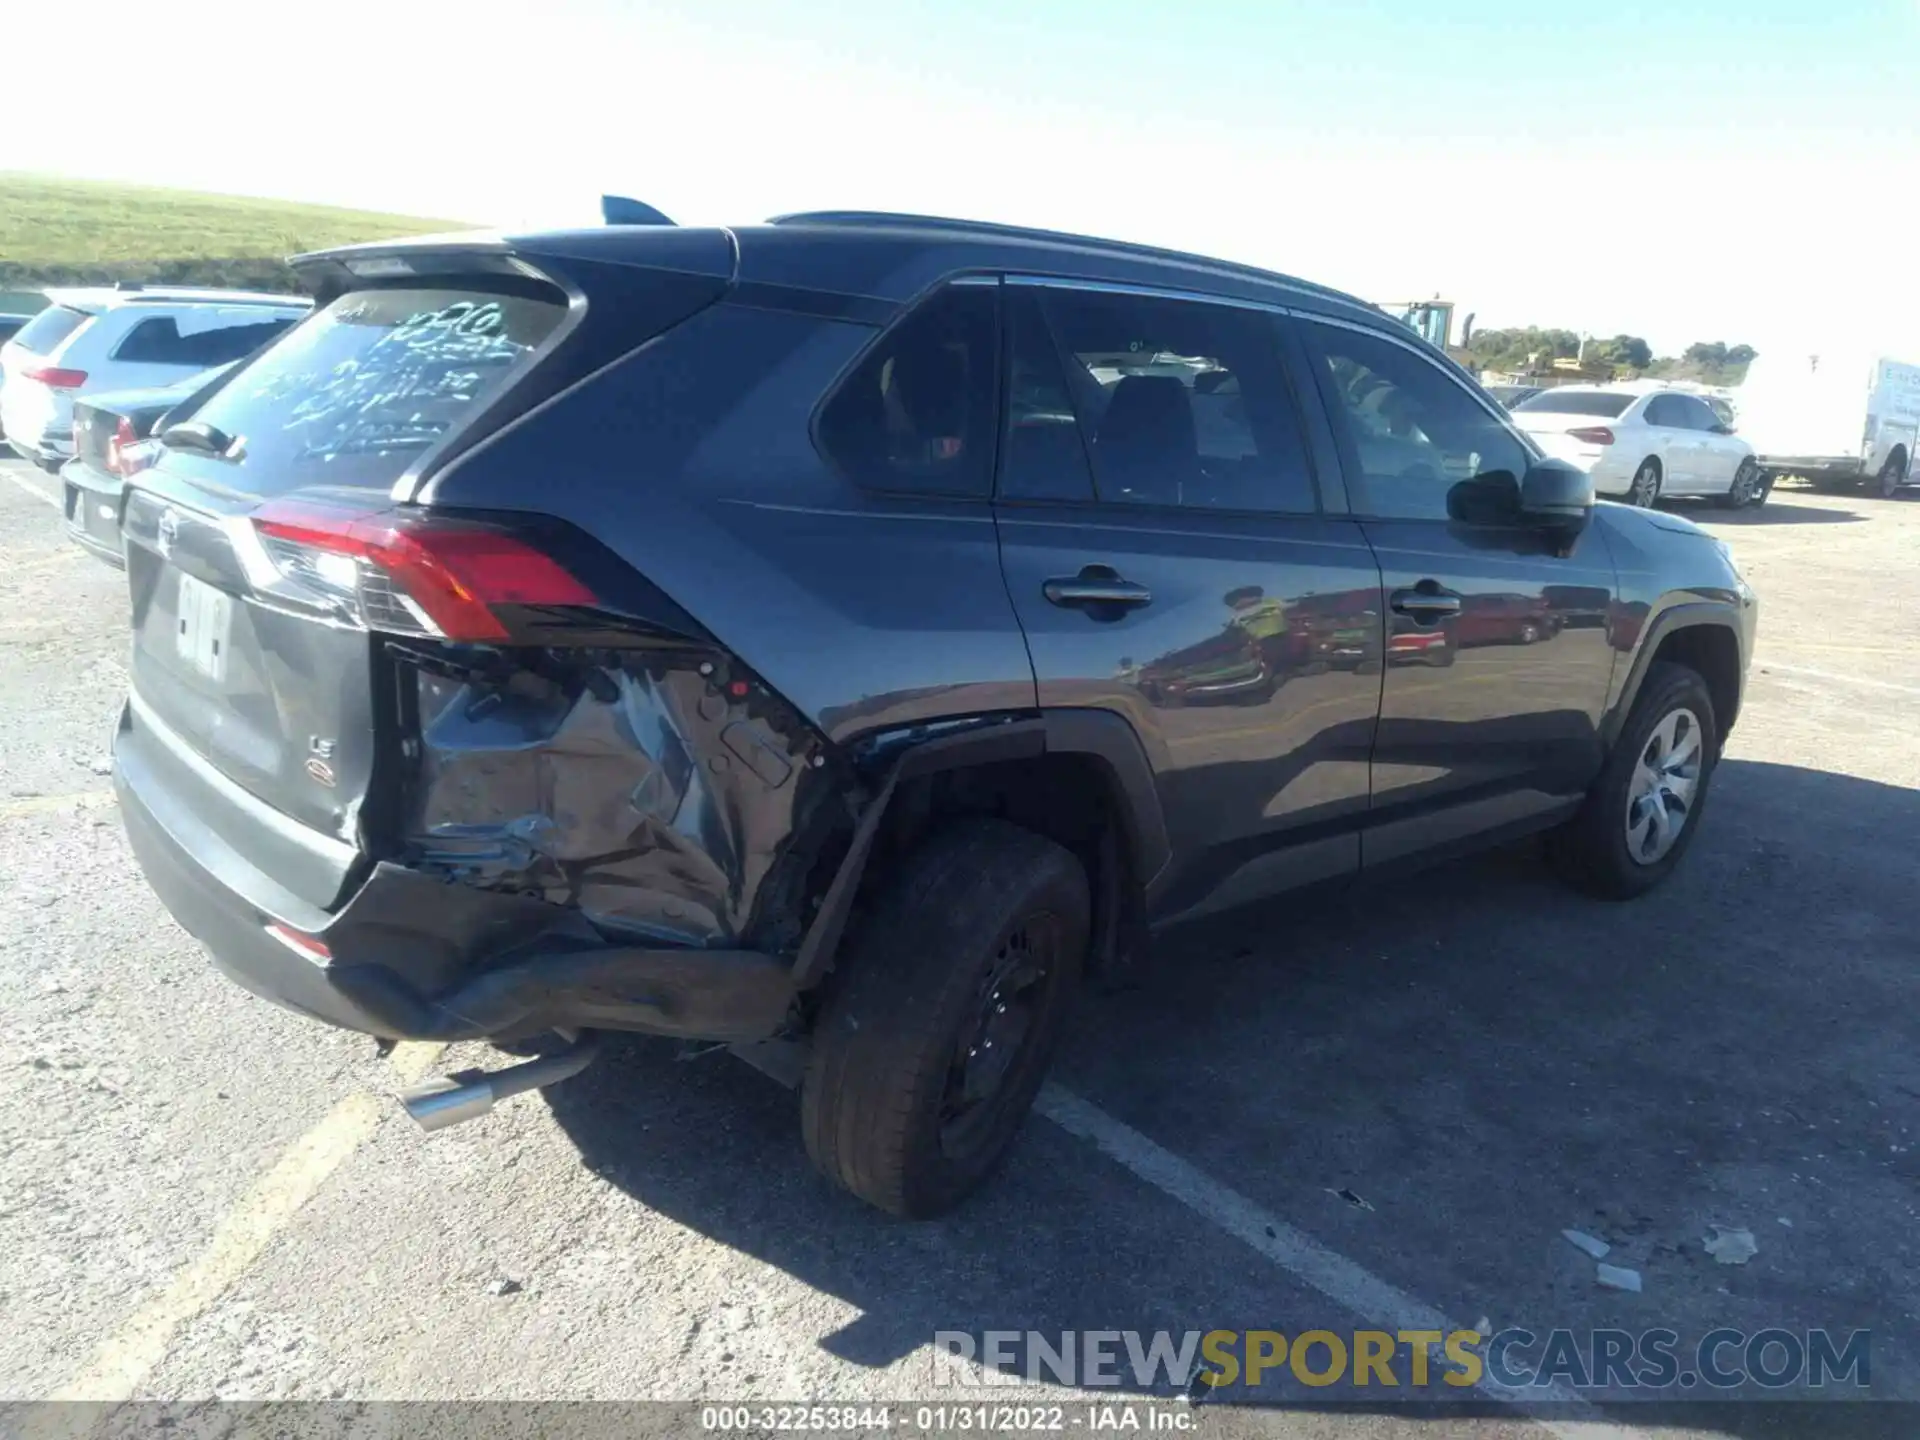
1324, 1114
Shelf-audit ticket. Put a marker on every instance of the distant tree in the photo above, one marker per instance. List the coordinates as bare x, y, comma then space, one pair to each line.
1626, 352
1741, 355
1706, 352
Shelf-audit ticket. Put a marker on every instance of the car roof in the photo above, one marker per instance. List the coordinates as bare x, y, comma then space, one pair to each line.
96, 299
888, 257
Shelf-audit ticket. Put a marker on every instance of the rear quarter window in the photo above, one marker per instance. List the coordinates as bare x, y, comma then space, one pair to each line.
50, 329
362, 388
918, 413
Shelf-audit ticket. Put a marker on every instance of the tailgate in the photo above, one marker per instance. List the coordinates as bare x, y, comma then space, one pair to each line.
256, 690
273, 563
239, 695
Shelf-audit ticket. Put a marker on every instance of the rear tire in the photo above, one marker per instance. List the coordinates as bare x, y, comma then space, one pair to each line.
1594, 851
1645, 489
1747, 488
980, 938
1893, 475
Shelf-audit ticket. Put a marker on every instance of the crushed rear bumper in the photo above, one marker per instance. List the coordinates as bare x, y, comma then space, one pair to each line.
409, 956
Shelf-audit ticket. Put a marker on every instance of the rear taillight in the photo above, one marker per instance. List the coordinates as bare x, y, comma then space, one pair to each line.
123, 438
135, 458
54, 377
414, 574
1593, 435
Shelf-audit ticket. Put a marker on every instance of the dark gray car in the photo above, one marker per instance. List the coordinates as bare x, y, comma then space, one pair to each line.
851, 631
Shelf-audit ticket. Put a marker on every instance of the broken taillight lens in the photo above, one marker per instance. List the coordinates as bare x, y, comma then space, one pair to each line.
414, 573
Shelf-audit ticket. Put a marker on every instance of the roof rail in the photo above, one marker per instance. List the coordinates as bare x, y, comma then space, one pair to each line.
889, 220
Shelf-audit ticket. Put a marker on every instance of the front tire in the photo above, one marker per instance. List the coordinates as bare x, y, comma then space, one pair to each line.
1645, 489
978, 941
1644, 810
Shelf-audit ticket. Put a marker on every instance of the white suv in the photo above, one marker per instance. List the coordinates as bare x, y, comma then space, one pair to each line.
87, 341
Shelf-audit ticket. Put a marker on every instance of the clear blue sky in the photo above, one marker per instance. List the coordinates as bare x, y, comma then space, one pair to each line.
1699, 169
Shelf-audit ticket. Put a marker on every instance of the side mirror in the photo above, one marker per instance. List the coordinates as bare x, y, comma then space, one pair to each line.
1723, 429
1556, 496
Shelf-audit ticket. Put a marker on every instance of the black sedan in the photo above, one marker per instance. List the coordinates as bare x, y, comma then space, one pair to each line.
111, 434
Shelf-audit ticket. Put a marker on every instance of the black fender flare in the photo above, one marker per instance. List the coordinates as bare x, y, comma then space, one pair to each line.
1101, 734
1686, 615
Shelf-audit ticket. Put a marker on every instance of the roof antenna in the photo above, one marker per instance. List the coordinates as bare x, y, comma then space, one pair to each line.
619, 210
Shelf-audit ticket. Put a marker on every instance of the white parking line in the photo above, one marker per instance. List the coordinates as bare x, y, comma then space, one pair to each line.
47, 804
1341, 1280
1770, 666
27, 485
121, 1365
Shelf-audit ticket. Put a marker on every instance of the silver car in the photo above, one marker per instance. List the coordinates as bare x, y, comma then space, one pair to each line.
90, 340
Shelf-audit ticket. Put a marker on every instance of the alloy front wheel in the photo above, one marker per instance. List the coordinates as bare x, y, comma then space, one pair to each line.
1665, 781
1644, 808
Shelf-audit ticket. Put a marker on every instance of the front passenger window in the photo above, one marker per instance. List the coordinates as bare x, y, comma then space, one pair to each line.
1415, 432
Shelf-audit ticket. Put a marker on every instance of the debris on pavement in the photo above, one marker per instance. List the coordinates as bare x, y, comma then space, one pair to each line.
1352, 1199
1617, 1277
1597, 1249
504, 1286
1732, 1244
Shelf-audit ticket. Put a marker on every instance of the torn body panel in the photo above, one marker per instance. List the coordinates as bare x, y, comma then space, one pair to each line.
659, 792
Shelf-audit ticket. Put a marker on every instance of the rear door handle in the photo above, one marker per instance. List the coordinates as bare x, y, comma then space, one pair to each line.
1096, 587
1426, 602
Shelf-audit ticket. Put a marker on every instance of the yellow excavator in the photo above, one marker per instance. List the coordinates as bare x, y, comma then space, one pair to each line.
1432, 320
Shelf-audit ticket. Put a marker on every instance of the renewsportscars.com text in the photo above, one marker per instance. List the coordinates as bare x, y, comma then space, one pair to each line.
1655, 1359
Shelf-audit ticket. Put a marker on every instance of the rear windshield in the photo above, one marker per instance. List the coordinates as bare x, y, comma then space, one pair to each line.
192, 341
43, 334
357, 392
1608, 403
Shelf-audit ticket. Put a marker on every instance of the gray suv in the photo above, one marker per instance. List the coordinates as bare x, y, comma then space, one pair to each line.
854, 631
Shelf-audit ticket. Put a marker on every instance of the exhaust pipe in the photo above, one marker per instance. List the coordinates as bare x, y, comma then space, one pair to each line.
442, 1101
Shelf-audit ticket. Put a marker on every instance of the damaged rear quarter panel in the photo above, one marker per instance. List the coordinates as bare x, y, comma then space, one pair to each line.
658, 800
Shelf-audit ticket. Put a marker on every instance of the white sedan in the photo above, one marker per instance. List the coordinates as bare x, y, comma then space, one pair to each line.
1643, 445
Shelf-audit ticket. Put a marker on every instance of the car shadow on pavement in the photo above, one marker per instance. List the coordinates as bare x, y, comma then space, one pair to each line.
1774, 512
1477, 1057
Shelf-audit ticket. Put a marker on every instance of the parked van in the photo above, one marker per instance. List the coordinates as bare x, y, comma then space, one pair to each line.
1835, 418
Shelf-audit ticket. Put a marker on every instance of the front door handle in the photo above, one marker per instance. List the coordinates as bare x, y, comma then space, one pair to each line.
1426, 602
1096, 588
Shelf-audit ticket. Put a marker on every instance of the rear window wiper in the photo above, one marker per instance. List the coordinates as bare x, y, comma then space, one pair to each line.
204, 439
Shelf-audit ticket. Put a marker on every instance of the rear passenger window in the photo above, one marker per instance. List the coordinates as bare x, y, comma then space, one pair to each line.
918, 412
1181, 403
159, 340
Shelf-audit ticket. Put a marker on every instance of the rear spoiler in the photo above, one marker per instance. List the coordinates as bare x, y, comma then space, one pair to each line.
620, 210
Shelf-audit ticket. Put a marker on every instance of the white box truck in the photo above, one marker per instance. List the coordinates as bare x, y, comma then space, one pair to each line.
1833, 418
